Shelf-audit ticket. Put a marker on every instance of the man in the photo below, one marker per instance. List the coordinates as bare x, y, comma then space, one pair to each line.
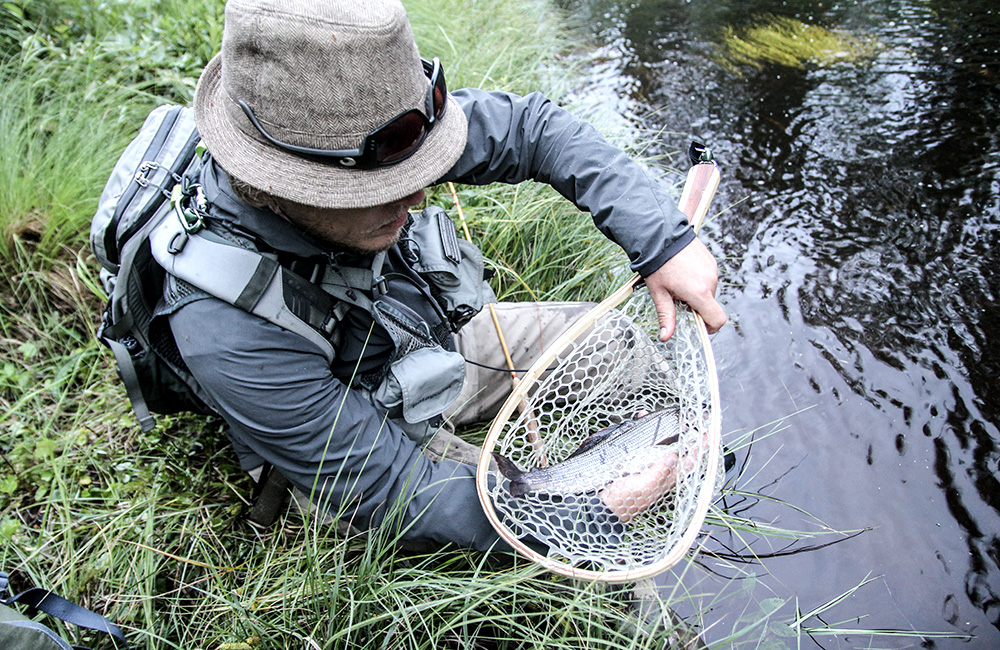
324, 127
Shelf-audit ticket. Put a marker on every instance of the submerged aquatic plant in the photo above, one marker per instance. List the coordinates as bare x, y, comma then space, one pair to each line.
789, 42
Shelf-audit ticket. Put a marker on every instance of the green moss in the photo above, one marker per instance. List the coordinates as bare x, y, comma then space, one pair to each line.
778, 40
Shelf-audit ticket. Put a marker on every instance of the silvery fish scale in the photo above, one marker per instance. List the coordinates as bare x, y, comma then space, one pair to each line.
609, 454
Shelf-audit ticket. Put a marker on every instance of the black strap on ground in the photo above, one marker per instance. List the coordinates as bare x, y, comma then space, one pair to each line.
270, 496
65, 610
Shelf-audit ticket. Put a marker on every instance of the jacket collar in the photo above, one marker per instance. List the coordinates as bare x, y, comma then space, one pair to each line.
258, 223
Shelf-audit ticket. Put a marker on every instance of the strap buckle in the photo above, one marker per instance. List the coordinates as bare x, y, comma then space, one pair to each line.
192, 219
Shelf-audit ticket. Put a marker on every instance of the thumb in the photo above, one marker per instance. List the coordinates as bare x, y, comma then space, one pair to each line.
713, 314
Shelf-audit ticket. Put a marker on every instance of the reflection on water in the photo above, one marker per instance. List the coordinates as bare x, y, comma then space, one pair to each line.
861, 262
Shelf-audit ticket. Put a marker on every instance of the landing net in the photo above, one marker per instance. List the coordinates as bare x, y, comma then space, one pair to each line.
609, 369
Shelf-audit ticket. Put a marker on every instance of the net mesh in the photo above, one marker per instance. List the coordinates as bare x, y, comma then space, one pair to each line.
615, 372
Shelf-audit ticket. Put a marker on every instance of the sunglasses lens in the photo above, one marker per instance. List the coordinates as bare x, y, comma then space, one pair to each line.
400, 138
439, 93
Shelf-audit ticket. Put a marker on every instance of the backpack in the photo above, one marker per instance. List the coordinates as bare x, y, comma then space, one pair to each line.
151, 220
18, 632
152, 197
136, 199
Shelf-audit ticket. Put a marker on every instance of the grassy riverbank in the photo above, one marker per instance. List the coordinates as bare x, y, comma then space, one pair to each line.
149, 528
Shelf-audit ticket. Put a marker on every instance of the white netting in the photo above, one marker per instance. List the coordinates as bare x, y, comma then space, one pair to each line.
614, 372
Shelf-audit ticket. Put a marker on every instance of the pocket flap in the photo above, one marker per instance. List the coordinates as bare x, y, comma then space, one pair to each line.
423, 383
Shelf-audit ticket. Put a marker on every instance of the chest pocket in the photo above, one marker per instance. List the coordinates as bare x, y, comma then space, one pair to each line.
424, 379
454, 268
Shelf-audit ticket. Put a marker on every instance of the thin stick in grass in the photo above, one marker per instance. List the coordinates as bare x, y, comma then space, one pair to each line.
533, 425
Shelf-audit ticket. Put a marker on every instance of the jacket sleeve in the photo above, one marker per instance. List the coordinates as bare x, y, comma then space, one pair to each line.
513, 139
282, 404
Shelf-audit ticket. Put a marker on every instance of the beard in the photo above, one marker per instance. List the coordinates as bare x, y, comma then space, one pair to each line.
353, 247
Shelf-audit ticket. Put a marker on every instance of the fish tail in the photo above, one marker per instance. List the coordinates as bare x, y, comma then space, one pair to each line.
519, 486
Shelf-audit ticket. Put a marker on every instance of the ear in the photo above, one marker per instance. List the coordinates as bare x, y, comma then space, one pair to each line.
272, 204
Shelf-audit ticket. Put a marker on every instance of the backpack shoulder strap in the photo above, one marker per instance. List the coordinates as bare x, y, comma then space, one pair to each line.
57, 606
255, 282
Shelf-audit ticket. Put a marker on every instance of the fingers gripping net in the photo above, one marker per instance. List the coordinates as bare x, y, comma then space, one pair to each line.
627, 508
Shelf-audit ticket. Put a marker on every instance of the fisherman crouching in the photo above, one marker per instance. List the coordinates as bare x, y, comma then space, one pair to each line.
323, 127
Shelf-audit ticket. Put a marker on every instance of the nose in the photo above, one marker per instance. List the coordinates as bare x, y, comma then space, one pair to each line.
414, 199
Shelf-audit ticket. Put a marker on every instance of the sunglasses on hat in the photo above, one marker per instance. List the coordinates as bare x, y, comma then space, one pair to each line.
393, 142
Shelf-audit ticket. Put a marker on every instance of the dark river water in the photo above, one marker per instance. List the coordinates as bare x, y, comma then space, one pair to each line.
859, 144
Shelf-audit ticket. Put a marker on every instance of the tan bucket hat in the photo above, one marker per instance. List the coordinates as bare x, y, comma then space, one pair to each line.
320, 75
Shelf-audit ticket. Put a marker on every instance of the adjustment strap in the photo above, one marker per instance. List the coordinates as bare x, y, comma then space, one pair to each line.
131, 380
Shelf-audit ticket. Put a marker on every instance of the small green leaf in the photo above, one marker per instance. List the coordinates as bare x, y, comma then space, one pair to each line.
9, 528
8, 483
782, 630
771, 605
28, 349
14, 9
45, 448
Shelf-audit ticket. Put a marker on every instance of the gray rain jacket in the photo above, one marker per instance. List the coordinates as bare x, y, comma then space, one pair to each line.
284, 403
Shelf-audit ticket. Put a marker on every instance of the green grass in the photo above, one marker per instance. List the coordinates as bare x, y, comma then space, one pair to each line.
149, 528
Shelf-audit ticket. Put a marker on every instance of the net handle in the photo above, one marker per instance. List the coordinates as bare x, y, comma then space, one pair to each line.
699, 190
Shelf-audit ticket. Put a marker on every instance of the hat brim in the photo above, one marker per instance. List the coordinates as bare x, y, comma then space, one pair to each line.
313, 183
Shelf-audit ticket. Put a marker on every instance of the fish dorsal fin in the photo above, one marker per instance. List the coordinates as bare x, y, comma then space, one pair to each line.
669, 440
595, 439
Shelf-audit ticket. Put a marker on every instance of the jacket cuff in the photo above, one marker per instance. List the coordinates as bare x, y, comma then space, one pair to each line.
674, 247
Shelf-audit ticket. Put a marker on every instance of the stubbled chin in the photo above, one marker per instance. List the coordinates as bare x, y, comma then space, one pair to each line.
375, 244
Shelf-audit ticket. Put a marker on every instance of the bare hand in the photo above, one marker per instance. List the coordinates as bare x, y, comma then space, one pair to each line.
691, 276
635, 493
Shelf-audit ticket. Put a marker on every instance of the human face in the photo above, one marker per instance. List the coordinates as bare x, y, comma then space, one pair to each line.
365, 230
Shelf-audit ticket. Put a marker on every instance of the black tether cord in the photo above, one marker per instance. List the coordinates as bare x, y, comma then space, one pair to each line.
65, 610
507, 370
